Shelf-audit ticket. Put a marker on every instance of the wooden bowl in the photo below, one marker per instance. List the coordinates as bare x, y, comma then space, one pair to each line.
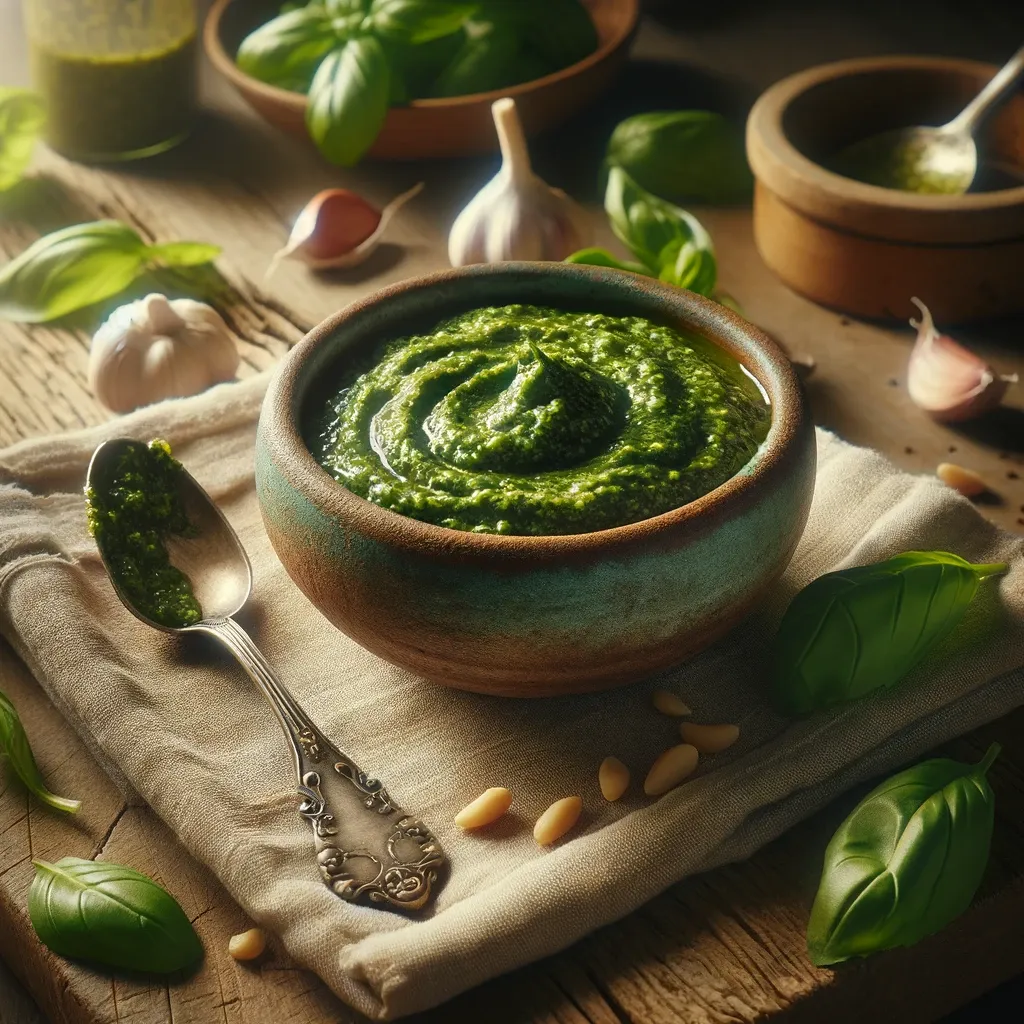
866, 250
431, 128
531, 616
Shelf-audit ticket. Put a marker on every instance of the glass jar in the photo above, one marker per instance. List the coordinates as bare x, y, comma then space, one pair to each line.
118, 77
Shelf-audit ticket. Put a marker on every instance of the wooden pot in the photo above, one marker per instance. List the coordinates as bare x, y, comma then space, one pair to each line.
866, 250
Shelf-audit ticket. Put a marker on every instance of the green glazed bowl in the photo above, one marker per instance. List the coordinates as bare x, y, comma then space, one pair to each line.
532, 616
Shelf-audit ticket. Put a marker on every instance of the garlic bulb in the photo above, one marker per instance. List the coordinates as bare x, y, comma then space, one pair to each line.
339, 228
157, 348
516, 216
948, 381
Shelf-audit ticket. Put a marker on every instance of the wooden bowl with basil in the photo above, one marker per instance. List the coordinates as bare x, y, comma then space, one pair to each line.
438, 98
529, 613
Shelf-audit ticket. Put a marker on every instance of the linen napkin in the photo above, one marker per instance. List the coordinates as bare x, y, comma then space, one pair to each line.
198, 742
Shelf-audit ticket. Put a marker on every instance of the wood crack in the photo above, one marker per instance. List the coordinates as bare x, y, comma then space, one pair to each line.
102, 844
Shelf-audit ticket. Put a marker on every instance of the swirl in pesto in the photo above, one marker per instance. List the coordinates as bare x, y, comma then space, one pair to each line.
527, 420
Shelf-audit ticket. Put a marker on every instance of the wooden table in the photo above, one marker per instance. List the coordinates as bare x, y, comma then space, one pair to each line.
724, 947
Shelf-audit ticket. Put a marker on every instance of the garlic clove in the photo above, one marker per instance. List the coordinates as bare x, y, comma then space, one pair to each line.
516, 215
947, 380
964, 481
157, 348
338, 228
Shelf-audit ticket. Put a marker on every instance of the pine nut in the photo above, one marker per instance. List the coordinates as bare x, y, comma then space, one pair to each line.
613, 778
965, 481
247, 945
489, 806
669, 704
670, 769
557, 820
709, 739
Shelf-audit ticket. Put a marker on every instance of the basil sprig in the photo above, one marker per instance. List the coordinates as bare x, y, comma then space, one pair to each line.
683, 155
906, 862
112, 915
21, 120
287, 51
81, 265
668, 242
857, 630
15, 747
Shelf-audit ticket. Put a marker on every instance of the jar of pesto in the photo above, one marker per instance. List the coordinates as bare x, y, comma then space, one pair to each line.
118, 76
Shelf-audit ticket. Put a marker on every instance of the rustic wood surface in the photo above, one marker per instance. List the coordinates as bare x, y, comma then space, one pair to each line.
725, 947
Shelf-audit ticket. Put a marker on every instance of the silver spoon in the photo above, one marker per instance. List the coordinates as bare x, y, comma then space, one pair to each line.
401, 878
942, 160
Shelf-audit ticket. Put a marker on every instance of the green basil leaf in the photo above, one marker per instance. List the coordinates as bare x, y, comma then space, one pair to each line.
683, 155
348, 100
857, 630
112, 915
561, 31
670, 242
182, 254
488, 59
417, 21
287, 50
415, 68
595, 257
21, 120
906, 862
346, 8
15, 747
69, 270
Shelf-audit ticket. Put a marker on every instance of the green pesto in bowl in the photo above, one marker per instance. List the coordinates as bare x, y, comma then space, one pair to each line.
534, 421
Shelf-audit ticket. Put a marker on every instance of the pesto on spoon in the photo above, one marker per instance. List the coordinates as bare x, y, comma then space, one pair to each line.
936, 161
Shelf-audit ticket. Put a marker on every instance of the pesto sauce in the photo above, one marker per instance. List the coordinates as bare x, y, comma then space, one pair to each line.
529, 420
906, 165
139, 508
117, 106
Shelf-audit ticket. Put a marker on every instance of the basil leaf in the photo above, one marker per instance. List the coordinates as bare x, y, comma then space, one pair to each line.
21, 120
348, 100
857, 630
906, 862
417, 21
287, 50
488, 59
70, 269
182, 254
346, 8
15, 746
595, 257
672, 243
683, 154
112, 915
561, 31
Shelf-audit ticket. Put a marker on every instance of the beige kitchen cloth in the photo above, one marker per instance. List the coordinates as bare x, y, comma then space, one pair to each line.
200, 745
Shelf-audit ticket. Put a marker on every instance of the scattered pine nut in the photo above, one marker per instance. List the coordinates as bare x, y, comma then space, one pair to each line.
669, 704
557, 820
613, 778
709, 739
965, 481
247, 945
489, 806
674, 765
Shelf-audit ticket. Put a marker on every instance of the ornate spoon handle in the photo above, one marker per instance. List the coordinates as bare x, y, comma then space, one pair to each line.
405, 878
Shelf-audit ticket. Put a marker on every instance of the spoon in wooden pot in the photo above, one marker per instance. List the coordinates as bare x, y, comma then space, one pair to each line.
942, 160
334, 792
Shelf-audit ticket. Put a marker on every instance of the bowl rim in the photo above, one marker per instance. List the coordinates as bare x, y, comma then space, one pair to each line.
280, 431
863, 209
223, 62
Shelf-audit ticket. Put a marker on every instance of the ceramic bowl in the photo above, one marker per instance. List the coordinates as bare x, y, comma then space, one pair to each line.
866, 250
432, 128
531, 616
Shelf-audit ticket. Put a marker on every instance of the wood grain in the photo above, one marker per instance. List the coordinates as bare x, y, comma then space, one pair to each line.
724, 947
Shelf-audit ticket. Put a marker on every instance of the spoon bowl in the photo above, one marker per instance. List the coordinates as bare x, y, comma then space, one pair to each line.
212, 557
931, 161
